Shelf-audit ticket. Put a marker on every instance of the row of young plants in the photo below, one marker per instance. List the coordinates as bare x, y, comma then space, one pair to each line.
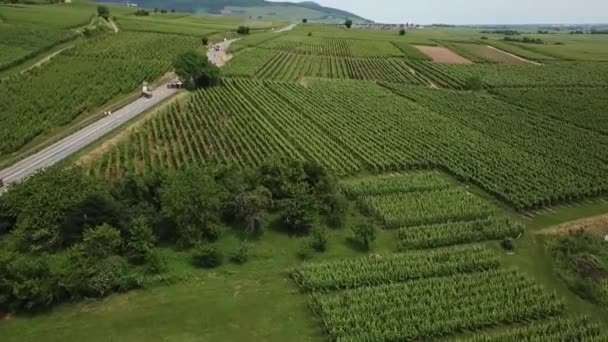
85, 78
310, 45
401, 183
425, 207
434, 307
455, 233
290, 67
581, 329
376, 270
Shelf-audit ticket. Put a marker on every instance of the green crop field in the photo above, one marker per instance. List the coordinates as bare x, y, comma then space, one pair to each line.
84, 78
334, 184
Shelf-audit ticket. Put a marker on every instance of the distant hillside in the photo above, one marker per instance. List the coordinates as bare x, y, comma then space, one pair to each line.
279, 11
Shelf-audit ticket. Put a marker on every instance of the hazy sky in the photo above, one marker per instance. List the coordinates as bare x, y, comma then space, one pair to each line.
476, 11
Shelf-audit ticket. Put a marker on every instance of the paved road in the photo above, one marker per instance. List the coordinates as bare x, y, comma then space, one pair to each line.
75, 142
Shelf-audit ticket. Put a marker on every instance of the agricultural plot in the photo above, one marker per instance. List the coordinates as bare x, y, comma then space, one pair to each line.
83, 79
166, 26
242, 123
558, 150
284, 66
429, 210
333, 47
455, 233
526, 160
409, 302
562, 329
26, 31
425, 207
584, 107
489, 54
393, 268
442, 55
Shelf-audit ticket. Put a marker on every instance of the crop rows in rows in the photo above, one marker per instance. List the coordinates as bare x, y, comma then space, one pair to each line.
584, 107
389, 184
425, 207
290, 67
333, 47
500, 150
241, 123
455, 233
557, 329
434, 307
550, 161
392, 268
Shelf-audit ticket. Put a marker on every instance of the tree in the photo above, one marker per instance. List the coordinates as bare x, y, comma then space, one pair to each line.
473, 83
192, 199
205, 41
141, 240
101, 242
196, 70
243, 30
348, 23
365, 234
103, 11
319, 238
402, 32
172, 10
299, 209
250, 207
304, 20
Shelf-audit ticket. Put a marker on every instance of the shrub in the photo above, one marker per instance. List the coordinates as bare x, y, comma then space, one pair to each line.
473, 83
241, 255
205, 41
101, 242
304, 20
310, 34
103, 11
207, 256
402, 32
243, 30
141, 240
298, 211
365, 234
319, 239
508, 244
348, 23
305, 251
156, 263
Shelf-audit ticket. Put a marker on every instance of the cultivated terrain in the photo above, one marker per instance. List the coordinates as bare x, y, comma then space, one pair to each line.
335, 184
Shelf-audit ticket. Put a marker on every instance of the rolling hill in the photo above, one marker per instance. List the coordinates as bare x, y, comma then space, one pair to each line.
278, 11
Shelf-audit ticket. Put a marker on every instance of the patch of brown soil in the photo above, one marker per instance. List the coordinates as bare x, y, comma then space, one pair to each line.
442, 55
597, 225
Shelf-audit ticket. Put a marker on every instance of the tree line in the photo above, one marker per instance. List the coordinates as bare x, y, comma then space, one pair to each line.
65, 235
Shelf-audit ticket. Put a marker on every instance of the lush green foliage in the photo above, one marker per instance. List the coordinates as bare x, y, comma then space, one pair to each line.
196, 70
392, 268
207, 256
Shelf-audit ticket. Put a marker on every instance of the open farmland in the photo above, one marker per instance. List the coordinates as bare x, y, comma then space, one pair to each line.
334, 184
500, 151
26, 31
490, 54
85, 78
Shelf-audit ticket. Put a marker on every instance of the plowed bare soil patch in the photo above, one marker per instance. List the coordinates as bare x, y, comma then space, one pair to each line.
442, 55
597, 225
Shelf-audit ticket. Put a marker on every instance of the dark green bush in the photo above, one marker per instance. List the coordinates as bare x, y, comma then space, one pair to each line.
207, 256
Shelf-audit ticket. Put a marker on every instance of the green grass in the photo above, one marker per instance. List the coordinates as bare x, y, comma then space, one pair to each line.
253, 302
